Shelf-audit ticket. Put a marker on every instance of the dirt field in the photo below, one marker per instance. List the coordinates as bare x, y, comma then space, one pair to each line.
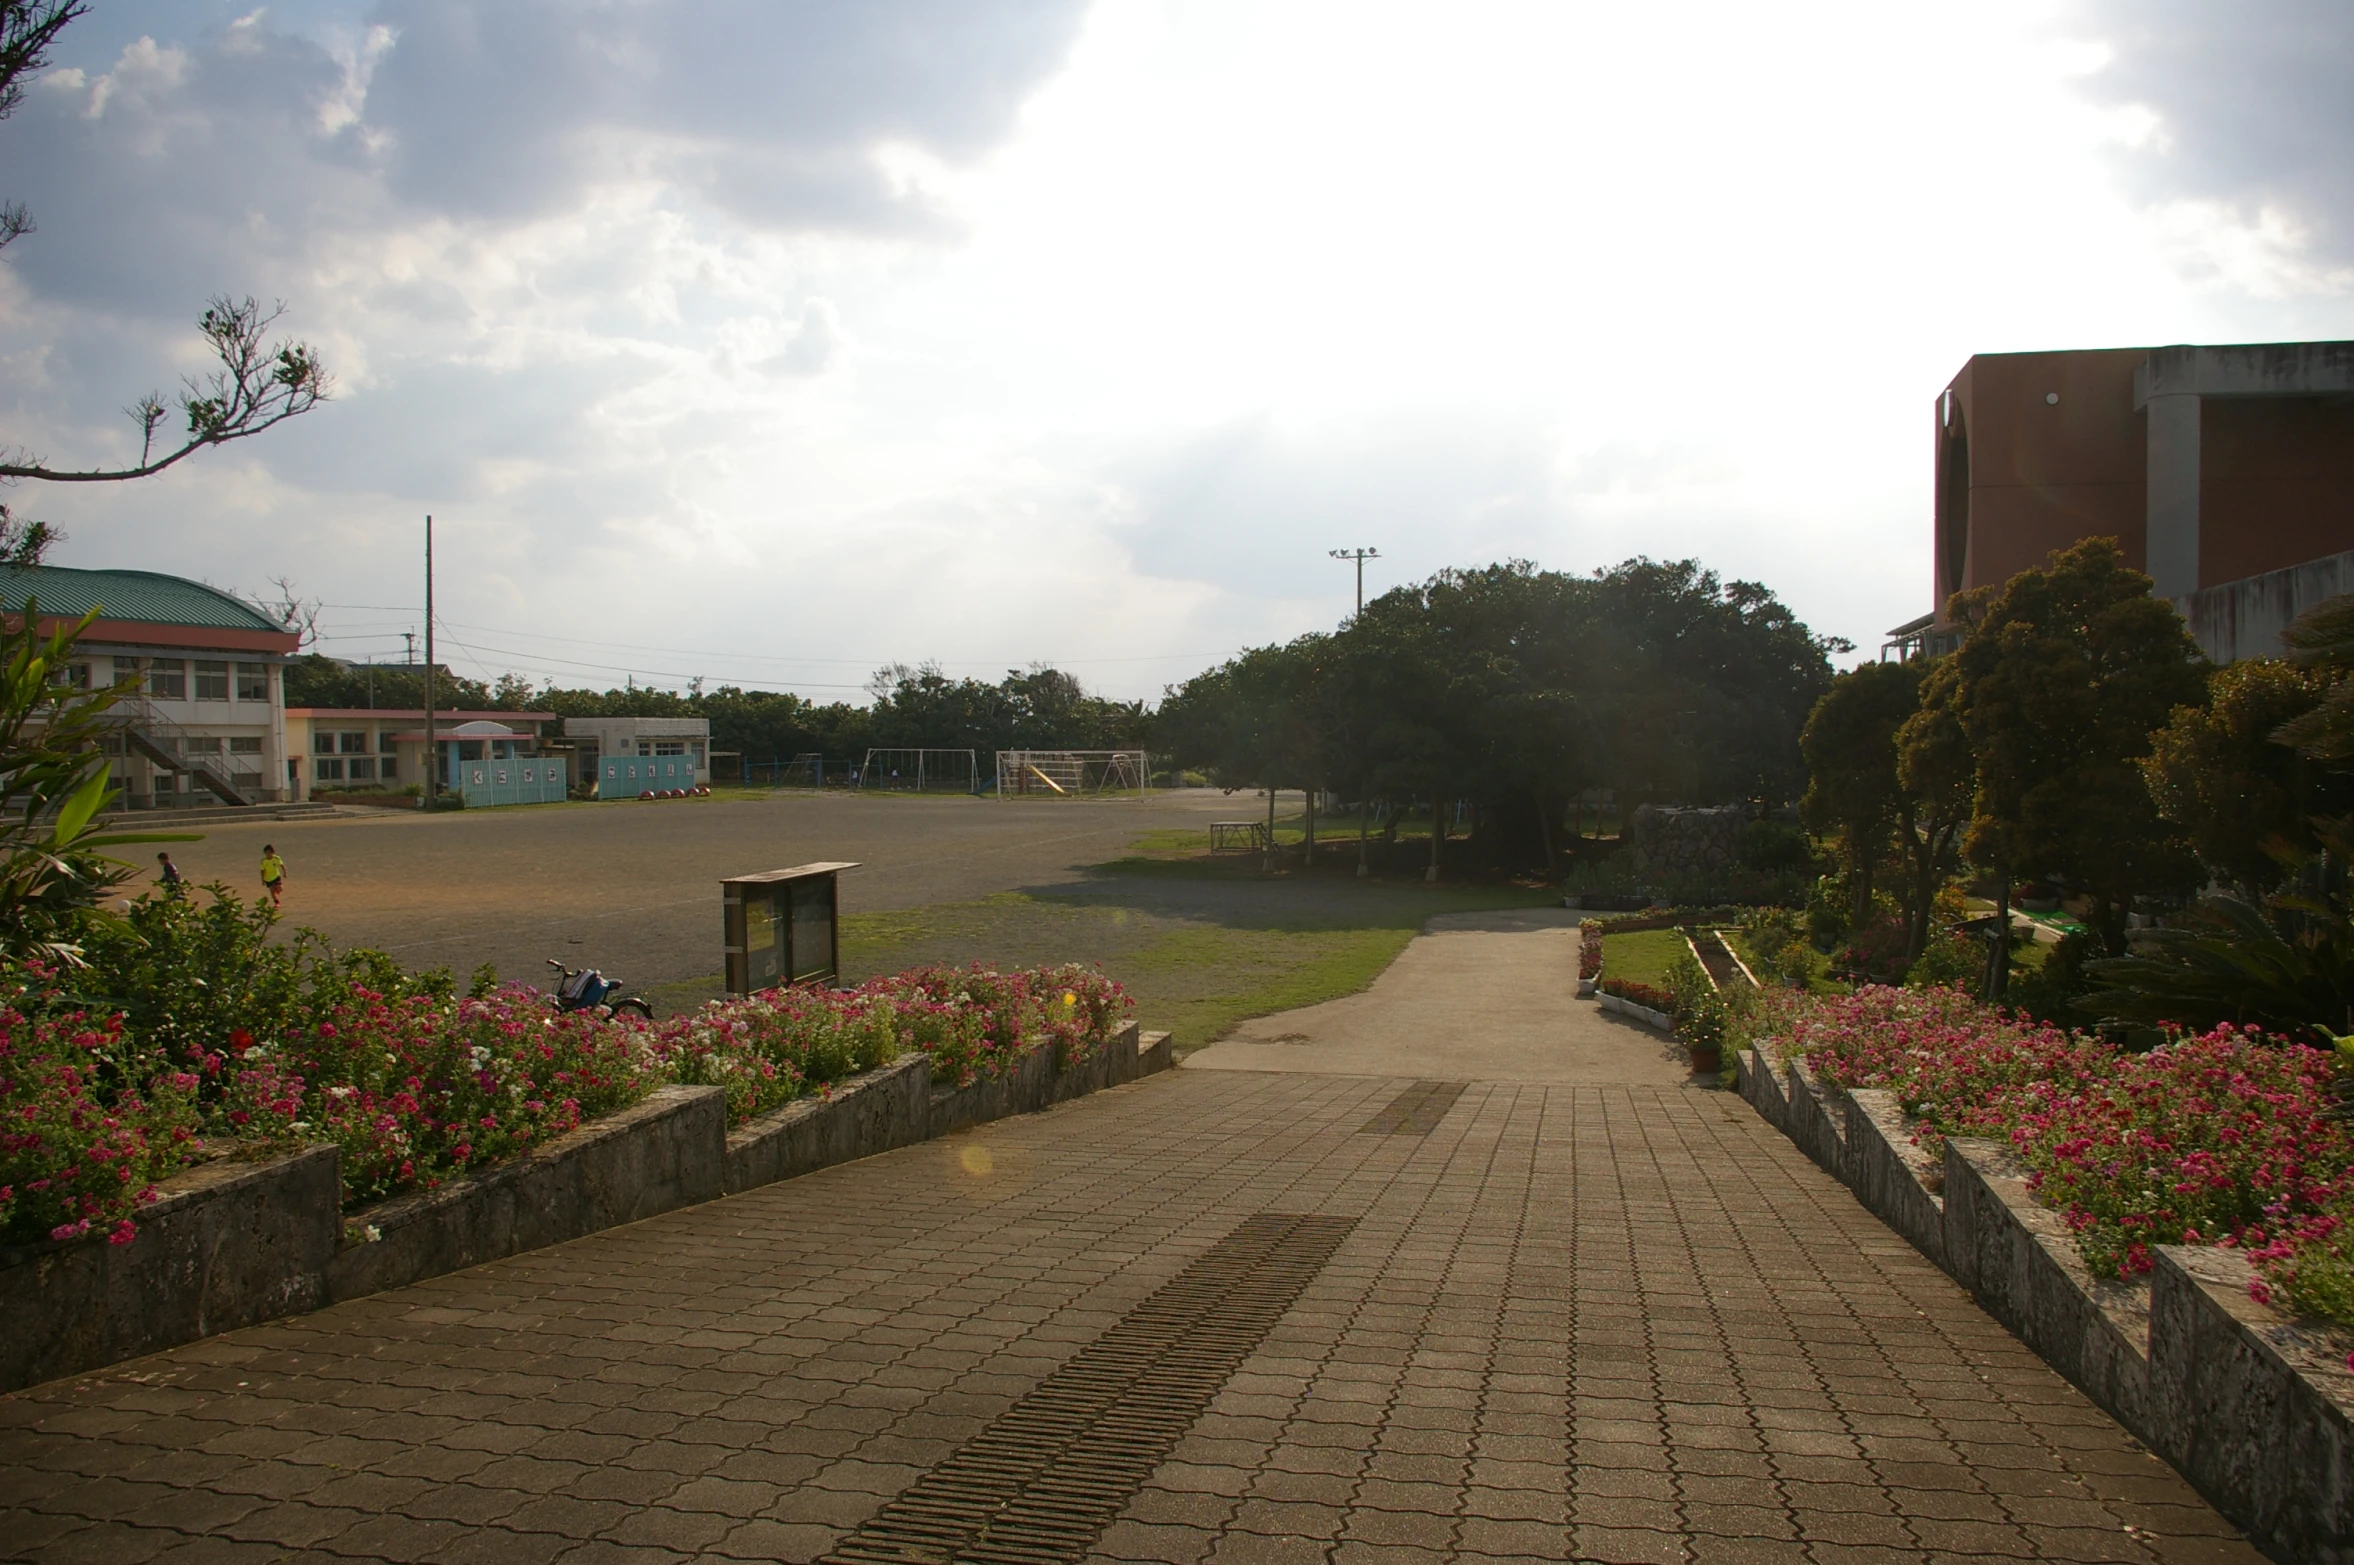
634, 888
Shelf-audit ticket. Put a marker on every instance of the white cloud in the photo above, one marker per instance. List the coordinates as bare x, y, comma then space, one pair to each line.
795, 339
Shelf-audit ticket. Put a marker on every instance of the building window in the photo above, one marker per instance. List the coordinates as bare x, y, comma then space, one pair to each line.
352, 744
361, 768
670, 747
167, 679
327, 768
74, 676
322, 742
245, 744
212, 680
253, 681
387, 741
201, 744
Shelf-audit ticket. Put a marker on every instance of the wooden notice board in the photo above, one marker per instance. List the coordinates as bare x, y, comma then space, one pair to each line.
782, 927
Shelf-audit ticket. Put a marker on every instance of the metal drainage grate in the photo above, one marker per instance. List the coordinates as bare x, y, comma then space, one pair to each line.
1052, 1471
1416, 1111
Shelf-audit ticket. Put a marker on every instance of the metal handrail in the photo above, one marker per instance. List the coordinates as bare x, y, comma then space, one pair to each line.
137, 713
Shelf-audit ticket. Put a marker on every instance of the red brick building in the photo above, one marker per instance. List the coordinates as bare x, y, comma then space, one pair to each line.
2227, 473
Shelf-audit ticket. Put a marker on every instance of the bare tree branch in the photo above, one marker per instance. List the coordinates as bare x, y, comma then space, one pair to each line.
291, 609
258, 384
27, 29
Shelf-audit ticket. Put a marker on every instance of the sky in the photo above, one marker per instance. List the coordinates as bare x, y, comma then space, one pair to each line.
770, 341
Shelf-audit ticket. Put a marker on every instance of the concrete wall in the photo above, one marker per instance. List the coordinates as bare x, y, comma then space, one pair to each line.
2244, 619
2254, 1407
229, 1244
226, 1244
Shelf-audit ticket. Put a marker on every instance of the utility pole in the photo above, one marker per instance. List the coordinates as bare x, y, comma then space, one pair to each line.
1364, 806
410, 657
1360, 556
432, 751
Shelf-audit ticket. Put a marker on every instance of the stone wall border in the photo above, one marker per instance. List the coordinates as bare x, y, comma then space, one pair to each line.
2253, 1406
231, 1243
226, 1244
1642, 1013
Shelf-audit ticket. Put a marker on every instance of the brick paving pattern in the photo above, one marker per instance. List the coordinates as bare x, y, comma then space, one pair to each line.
1616, 1324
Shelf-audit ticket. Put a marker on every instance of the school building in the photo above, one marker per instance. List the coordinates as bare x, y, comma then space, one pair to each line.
2225, 472
202, 718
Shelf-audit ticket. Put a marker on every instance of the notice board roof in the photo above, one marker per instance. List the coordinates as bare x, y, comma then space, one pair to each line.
797, 872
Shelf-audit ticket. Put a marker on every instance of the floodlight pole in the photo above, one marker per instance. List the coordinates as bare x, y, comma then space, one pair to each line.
432, 758
1360, 556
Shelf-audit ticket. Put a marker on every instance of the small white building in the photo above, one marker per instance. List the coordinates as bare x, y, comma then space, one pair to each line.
204, 719
593, 739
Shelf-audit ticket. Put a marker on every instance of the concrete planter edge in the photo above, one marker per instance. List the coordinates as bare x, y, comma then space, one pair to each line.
2253, 1406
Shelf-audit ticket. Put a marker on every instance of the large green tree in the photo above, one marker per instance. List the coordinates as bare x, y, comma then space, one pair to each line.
2246, 800
1854, 790
2063, 676
1515, 689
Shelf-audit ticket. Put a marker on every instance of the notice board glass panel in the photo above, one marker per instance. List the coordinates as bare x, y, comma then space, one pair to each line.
764, 946
813, 928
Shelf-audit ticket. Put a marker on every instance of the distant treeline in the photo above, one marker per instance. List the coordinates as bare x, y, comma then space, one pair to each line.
1518, 689
1038, 708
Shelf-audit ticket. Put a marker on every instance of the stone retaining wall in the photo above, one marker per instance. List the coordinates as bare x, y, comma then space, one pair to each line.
226, 1244
231, 1243
2254, 1407
645, 1160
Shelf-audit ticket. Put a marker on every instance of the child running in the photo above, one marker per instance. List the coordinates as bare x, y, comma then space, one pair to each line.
273, 873
169, 875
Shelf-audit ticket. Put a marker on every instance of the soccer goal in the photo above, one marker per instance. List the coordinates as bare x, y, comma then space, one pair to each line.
920, 771
1071, 773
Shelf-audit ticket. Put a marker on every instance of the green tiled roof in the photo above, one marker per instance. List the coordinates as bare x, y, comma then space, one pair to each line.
146, 596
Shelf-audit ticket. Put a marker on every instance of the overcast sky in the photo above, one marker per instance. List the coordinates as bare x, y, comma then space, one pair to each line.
773, 341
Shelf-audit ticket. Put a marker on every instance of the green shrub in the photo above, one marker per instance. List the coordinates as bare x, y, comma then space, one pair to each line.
1700, 1008
1949, 961
190, 976
1779, 953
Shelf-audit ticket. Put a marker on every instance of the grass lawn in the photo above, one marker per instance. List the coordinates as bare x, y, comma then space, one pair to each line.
1643, 956
1202, 943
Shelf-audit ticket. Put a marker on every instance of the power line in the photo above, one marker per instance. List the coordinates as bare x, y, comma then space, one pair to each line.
766, 657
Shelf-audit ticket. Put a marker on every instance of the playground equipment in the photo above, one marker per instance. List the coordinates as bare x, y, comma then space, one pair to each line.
1071, 773
921, 771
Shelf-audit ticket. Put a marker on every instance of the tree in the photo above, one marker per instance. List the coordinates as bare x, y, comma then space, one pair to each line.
1516, 689
1853, 786
53, 785
1937, 797
2245, 800
2063, 677
2322, 640
27, 29
258, 382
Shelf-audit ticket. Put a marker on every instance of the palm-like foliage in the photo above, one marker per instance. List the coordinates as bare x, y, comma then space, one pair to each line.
53, 784
2285, 964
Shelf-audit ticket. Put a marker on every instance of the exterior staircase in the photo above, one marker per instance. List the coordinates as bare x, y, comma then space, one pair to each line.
165, 743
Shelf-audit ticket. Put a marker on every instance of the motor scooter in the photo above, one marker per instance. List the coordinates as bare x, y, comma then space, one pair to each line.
586, 989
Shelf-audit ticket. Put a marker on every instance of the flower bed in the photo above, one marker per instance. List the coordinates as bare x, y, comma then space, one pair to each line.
84, 1132
1650, 996
1590, 948
2224, 1138
417, 1087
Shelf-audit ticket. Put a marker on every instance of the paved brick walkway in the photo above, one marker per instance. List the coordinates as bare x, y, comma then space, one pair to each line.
1569, 1322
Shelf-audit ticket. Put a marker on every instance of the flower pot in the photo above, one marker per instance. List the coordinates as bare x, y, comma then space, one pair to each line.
1706, 1059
